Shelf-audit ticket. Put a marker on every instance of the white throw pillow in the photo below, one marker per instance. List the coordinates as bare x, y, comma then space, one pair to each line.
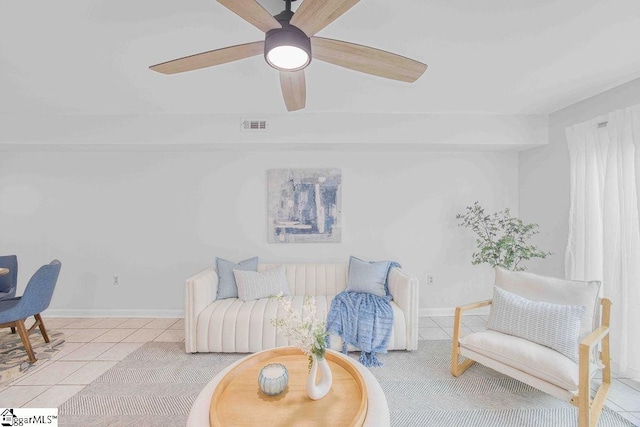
255, 285
555, 291
552, 325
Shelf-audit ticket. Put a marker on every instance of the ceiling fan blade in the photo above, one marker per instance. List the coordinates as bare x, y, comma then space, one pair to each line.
209, 59
314, 15
253, 13
367, 59
294, 89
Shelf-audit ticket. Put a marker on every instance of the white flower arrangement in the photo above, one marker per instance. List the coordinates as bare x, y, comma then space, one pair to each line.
304, 328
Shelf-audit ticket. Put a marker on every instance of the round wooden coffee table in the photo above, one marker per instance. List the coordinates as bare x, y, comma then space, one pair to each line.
237, 399
377, 406
4, 271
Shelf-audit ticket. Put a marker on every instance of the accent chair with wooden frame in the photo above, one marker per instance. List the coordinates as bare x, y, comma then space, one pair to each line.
36, 298
537, 365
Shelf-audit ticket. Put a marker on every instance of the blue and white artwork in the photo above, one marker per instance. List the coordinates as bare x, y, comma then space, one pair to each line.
304, 205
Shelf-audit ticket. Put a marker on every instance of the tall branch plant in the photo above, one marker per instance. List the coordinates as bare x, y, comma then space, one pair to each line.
502, 240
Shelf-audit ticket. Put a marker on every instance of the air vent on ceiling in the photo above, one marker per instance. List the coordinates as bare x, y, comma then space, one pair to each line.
253, 125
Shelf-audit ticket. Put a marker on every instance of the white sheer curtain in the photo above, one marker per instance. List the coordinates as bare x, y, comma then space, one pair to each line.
604, 235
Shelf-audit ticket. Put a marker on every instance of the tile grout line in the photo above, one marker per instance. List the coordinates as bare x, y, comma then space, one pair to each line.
39, 394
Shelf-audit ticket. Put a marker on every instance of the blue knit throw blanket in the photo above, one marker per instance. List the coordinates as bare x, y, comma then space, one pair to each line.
363, 320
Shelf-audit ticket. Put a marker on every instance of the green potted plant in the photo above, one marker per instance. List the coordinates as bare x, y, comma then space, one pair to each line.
502, 239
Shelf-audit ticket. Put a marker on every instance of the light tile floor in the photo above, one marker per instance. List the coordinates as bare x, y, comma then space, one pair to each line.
94, 345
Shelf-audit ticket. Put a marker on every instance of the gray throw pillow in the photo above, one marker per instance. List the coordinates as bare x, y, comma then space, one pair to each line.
369, 277
553, 325
253, 285
227, 287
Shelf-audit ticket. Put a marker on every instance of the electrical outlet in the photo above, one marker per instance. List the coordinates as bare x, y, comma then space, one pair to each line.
116, 281
429, 279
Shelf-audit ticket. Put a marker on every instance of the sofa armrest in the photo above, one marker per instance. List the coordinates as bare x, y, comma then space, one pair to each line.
404, 288
201, 290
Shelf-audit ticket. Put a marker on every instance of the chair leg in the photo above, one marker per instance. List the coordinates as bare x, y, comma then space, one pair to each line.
458, 368
43, 330
13, 330
24, 335
589, 410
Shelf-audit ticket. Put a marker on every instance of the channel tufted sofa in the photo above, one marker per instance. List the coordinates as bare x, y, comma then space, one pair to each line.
235, 326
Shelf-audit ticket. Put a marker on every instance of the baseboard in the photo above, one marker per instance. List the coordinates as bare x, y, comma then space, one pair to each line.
629, 373
450, 311
105, 312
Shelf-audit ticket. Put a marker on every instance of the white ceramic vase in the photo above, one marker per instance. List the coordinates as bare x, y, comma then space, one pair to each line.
320, 389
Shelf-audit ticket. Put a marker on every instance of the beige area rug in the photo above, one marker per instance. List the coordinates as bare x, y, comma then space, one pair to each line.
14, 361
157, 384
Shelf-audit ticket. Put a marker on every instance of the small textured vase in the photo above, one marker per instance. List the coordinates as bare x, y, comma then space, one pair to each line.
319, 390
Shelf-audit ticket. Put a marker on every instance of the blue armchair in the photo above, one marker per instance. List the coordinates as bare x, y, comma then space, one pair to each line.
9, 281
36, 298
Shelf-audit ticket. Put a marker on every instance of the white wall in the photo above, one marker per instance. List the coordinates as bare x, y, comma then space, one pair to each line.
155, 218
544, 187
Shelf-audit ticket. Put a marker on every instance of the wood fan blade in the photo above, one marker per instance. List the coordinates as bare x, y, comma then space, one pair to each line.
253, 13
367, 59
211, 58
294, 89
314, 15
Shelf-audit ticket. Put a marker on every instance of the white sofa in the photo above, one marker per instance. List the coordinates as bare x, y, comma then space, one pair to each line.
235, 326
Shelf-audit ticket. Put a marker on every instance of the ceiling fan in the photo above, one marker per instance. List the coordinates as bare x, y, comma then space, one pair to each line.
290, 44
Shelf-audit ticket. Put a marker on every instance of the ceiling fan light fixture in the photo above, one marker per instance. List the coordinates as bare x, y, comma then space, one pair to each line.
287, 48
287, 58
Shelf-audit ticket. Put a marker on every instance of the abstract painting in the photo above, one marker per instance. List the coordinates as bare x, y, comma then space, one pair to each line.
304, 205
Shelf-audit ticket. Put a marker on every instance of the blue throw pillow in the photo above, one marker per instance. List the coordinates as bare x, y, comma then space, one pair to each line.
227, 287
369, 277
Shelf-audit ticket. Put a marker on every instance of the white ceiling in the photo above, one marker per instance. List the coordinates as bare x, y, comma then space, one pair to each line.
488, 56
